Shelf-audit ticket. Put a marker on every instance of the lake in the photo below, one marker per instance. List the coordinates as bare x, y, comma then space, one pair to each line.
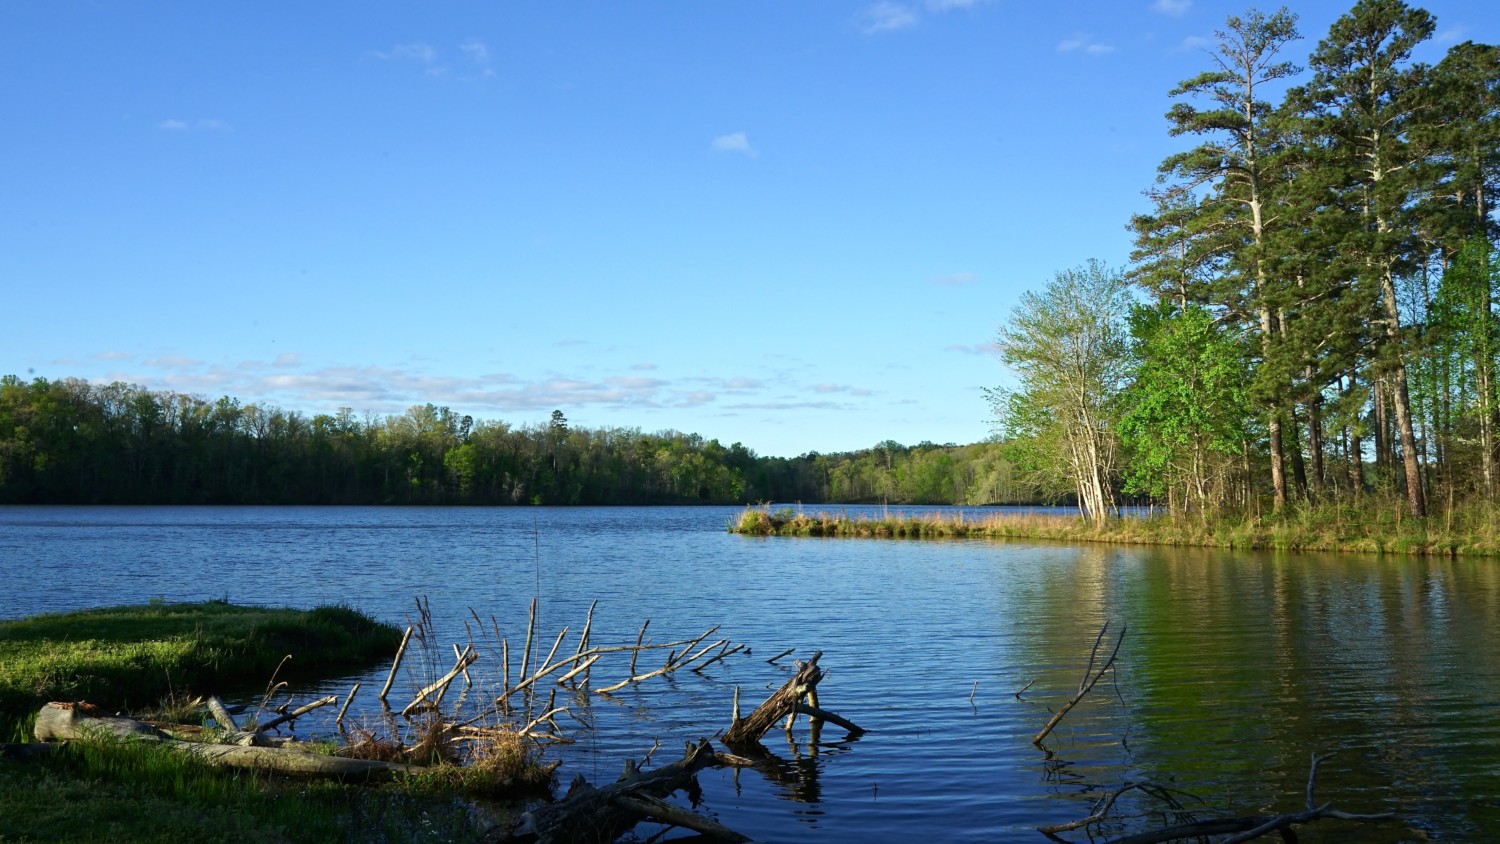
1235, 668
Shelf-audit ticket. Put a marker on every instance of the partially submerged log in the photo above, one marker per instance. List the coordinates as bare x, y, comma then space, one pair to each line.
589, 814
799, 694
84, 722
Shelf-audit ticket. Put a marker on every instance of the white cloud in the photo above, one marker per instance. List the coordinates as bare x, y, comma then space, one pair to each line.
1451, 35
947, 5
955, 279
285, 360
173, 124
478, 55
1083, 42
476, 51
113, 354
1175, 8
415, 51
972, 348
643, 367
172, 362
734, 142
886, 17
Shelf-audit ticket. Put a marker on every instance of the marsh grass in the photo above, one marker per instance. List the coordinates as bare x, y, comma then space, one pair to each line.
1371, 524
160, 654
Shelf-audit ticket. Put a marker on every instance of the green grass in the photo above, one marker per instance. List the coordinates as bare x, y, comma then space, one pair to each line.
98, 792
128, 658
1371, 524
136, 657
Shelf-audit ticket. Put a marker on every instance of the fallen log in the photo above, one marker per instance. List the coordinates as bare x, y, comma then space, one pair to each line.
784, 703
589, 814
82, 721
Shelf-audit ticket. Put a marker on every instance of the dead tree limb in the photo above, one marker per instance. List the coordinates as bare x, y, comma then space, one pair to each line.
465, 660
1090, 678
296, 713
783, 703
1238, 829
395, 664
589, 814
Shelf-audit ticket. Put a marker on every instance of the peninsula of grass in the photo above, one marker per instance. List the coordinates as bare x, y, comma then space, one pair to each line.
1370, 526
135, 657
142, 657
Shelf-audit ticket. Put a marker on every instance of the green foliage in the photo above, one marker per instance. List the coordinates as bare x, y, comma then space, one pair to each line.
1186, 407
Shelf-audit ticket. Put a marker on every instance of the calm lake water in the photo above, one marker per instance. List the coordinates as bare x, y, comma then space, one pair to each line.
1237, 666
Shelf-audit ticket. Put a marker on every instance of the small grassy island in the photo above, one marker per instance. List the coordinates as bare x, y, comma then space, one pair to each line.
1371, 527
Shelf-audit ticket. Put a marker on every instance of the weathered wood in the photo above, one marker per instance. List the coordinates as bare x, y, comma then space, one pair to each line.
781, 703
665, 813
83, 722
831, 717
296, 713
465, 660
589, 814
348, 699
395, 664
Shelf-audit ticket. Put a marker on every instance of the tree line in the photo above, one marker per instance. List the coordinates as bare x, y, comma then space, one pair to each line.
68, 441
1309, 313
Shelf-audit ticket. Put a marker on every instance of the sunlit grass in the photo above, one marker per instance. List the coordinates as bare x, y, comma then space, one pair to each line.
139, 656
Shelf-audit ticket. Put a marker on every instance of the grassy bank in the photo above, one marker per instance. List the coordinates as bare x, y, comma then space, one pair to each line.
140, 657
1370, 525
133, 657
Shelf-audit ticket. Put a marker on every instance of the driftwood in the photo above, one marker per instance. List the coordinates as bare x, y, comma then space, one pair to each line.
589, 814
1090, 678
799, 694
81, 721
1238, 829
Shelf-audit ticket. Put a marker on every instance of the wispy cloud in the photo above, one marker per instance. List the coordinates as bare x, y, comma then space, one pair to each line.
949, 5
734, 142
113, 355
1085, 43
972, 348
643, 367
886, 17
955, 280
477, 54
1174, 8
473, 62
173, 124
1451, 35
826, 388
172, 362
1195, 42
418, 51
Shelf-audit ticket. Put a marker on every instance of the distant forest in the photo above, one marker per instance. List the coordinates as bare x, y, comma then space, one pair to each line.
72, 442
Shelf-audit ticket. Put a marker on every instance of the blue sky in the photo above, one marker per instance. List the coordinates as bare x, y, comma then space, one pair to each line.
791, 225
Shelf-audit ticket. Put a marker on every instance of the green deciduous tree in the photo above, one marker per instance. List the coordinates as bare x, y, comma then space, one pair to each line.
1069, 349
